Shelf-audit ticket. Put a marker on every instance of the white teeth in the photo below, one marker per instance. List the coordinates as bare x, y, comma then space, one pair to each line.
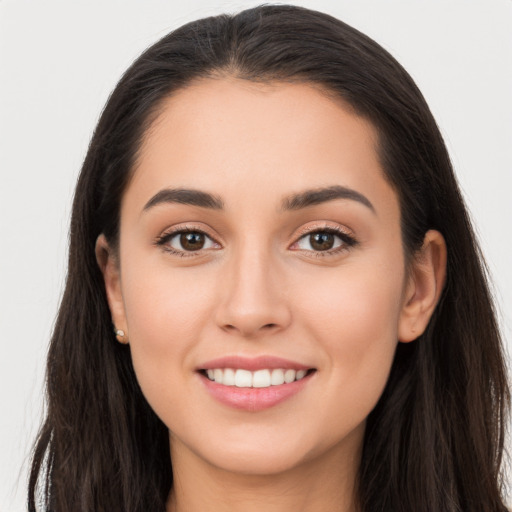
257, 379
300, 374
277, 377
217, 374
289, 376
228, 377
243, 379
261, 379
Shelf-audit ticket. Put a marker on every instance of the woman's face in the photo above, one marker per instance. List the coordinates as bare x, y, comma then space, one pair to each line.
259, 240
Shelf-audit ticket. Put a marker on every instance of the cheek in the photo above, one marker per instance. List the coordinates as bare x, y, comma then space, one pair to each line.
164, 304
355, 322
357, 305
165, 310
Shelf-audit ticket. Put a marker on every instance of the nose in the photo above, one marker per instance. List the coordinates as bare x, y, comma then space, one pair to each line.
254, 300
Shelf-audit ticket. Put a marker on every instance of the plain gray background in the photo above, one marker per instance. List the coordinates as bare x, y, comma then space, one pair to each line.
60, 59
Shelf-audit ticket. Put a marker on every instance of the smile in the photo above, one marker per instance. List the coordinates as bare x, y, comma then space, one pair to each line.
259, 379
254, 384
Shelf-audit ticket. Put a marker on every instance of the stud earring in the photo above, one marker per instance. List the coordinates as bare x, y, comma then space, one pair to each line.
120, 335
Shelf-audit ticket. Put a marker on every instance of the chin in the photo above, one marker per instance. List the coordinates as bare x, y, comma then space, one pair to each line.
260, 453
257, 462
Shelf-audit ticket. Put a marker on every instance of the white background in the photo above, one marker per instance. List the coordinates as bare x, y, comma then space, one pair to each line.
60, 60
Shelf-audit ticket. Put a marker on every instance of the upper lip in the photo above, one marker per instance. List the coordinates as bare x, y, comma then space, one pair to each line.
253, 363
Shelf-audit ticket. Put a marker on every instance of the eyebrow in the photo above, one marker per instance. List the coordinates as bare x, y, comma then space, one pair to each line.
185, 196
322, 195
296, 201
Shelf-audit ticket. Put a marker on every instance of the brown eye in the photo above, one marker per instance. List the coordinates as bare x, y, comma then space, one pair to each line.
321, 241
192, 241
328, 240
186, 241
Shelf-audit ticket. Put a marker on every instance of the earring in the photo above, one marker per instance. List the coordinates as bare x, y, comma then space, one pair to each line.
120, 335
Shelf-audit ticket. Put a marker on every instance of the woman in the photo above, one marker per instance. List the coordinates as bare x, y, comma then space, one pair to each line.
275, 299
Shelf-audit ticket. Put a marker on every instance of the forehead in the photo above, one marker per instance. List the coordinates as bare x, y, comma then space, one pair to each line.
241, 138
254, 112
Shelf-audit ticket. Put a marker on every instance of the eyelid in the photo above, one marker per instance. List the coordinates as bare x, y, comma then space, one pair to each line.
344, 234
323, 226
168, 234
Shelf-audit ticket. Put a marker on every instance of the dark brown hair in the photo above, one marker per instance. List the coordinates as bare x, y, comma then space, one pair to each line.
434, 442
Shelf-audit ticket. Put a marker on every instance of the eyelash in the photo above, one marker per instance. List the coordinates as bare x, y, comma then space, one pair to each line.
348, 241
166, 237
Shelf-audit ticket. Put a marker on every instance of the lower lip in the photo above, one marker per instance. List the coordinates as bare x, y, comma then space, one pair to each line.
254, 399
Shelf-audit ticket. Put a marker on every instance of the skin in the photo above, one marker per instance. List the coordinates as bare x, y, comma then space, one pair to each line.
260, 287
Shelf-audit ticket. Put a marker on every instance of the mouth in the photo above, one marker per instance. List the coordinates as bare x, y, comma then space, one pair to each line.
254, 384
263, 378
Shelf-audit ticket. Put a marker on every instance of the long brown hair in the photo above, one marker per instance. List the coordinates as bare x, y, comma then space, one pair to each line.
434, 442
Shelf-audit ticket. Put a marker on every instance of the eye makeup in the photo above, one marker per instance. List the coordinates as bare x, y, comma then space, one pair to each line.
320, 236
187, 236
323, 241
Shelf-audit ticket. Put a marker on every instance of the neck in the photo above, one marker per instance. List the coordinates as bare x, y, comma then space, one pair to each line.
323, 483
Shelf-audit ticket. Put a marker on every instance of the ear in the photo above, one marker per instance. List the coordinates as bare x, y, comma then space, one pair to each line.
427, 275
109, 266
